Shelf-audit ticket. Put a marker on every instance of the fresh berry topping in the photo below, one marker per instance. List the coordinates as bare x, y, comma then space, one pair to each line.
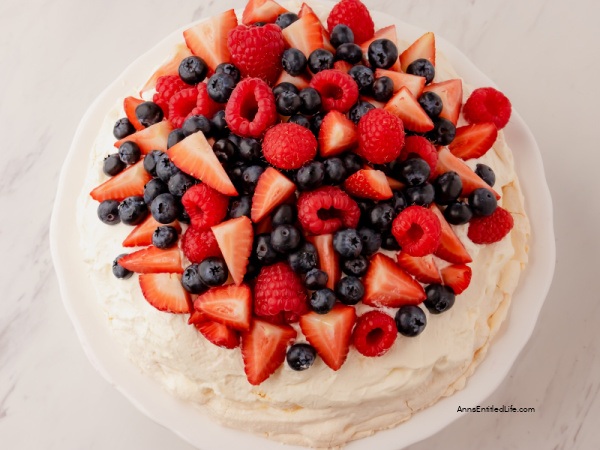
195, 123
380, 136
371, 241
263, 251
279, 294
129, 105
410, 320
382, 54
229, 305
165, 168
165, 208
235, 238
108, 212
486, 174
250, 177
213, 271
350, 290
359, 109
294, 62
389, 242
490, 229
488, 105
422, 195
167, 87
285, 214
383, 89
304, 258
133, 210
316, 279
192, 70
165, 292
451, 93
456, 276
458, 213
205, 104
374, 334
413, 83
219, 334
265, 11
305, 34
322, 301
191, 280
311, 101
448, 188
285, 86
473, 141
181, 105
347, 243
285, 238
422, 48
431, 104
405, 106
151, 159
448, 162
288, 103
417, 230
289, 146
180, 183
356, 16
380, 216
451, 248
341, 34
320, 60
301, 356
342, 66
229, 69
123, 128
310, 176
251, 108
272, 189
326, 210
356, 267
422, 68
128, 183
335, 171
142, 235
422, 268
439, 298
482, 202
363, 77
153, 260
220, 86
337, 89
119, 271
153, 189
350, 53
286, 19
328, 258
367, 183
412, 172
205, 206
148, 113
169, 69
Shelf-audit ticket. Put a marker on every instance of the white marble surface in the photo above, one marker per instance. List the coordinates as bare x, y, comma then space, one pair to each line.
57, 55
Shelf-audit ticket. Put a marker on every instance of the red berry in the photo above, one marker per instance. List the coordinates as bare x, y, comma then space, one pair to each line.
374, 334
417, 230
181, 105
487, 105
380, 136
338, 90
423, 148
205, 206
490, 229
166, 87
205, 105
355, 15
251, 108
197, 244
326, 210
289, 146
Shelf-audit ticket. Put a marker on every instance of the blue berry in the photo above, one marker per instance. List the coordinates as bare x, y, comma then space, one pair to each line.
311, 101
220, 86
219, 127
382, 53
304, 258
129, 152
363, 76
319, 60
150, 161
165, 208
443, 132
165, 168
482, 202
347, 243
350, 290
285, 86
381, 216
371, 241
301, 356
179, 183
113, 165
285, 214
250, 149
123, 128
359, 109
356, 267
118, 270
175, 136
486, 174
322, 301
229, 69
458, 213
225, 150
352, 163
341, 34
410, 320
389, 242
422, 195
288, 103
196, 123
431, 104
285, 238
153, 189
192, 70
350, 53
310, 176
301, 120
316, 279
164, 237
294, 62
398, 202
422, 68
133, 210
448, 188
335, 171
439, 298
148, 113
315, 123
413, 171
213, 271
108, 212
191, 281
264, 252
240, 206
286, 19
383, 89
250, 177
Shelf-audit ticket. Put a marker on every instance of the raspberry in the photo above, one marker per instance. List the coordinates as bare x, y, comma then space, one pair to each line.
181, 105
423, 148
380, 136
251, 108
166, 87
326, 210
356, 16
338, 90
374, 334
417, 230
279, 294
490, 229
257, 51
487, 105
205, 105
205, 206
289, 146
197, 244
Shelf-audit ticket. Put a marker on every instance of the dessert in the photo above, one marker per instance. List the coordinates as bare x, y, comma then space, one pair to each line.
323, 243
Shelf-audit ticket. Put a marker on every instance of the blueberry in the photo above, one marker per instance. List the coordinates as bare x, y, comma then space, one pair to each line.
148, 113
341, 34
285, 86
352, 163
252, 270
359, 109
315, 123
133, 210
482, 202
175, 136
381, 217
220, 86
179, 183
350, 53
448, 187
422, 68
365, 206
304, 258
164, 237
347, 243
286, 19
356, 267
288, 103
398, 202
118, 270
363, 76
311, 101
123, 128
443, 132
196, 123
421, 195
192, 70
108, 212
322, 301
250, 149
316, 279
213, 271
431, 104
183, 216
165, 208
310, 176
153, 189
410, 320
413, 171
218, 126
383, 89
486, 174
335, 171
389, 242
113, 165
225, 150
301, 120
129, 152
439, 298
240, 206
300, 356
229, 69
382, 53
237, 140
293, 61
235, 173
259, 24
285, 238
250, 178
350, 290
150, 161
191, 281
285, 214
263, 250
371, 241
458, 213
319, 60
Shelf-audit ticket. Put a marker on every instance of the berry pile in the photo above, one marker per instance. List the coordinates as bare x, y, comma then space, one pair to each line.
276, 160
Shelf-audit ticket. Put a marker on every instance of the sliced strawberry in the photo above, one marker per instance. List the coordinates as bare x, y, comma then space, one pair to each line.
229, 305
422, 268
129, 105
422, 48
342, 66
404, 105
219, 334
262, 11
328, 258
170, 67
300, 81
195, 156
413, 83
305, 34
272, 190
153, 260
451, 248
141, 235
330, 333
457, 276
208, 39
235, 238
264, 226
264, 348
197, 317
395, 185
389, 33
473, 141
305, 10
165, 292
337, 134
450, 92
152, 138
368, 183
128, 183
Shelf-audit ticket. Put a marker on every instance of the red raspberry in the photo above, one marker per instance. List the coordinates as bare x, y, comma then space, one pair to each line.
251, 108
279, 295
181, 105
326, 210
338, 90
257, 51
197, 244
380, 136
423, 148
166, 87
354, 14
374, 334
205, 105
417, 230
487, 105
205, 206
490, 229
289, 146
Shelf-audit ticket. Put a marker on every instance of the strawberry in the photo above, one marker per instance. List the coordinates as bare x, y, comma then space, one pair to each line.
152, 138
450, 92
165, 292
413, 83
153, 260
395, 185
330, 333
355, 15
235, 239
208, 39
473, 141
456, 276
170, 67
422, 268
300, 81
370, 184
422, 48
195, 156
219, 334
307, 10
272, 190
337, 134
328, 258
404, 105
129, 105
128, 183
389, 33
342, 66
228, 305
264, 348
305, 34
261, 11
451, 248
141, 235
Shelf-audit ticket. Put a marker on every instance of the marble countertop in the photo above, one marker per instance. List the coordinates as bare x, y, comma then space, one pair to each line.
57, 55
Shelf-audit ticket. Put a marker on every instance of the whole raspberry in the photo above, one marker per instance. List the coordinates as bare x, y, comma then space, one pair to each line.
279, 294
251, 108
375, 332
205, 105
205, 206
326, 210
181, 105
355, 15
289, 146
487, 105
490, 229
197, 244
417, 230
338, 90
423, 148
380, 136
257, 51
166, 87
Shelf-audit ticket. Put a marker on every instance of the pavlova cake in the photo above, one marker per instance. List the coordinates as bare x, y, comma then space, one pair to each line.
304, 225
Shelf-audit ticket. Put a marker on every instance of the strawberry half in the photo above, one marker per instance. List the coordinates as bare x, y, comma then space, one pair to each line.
141, 235
153, 260
170, 67
264, 348
262, 11
128, 183
413, 83
330, 333
305, 34
337, 134
305, 10
272, 190
152, 138
300, 81
473, 141
129, 105
404, 105
422, 48
457, 276
450, 92
422, 268
451, 249
235, 238
389, 33
229, 305
328, 258
165, 292
195, 156
367, 183
219, 334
